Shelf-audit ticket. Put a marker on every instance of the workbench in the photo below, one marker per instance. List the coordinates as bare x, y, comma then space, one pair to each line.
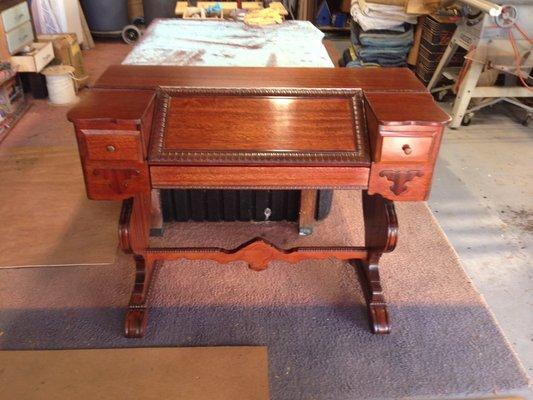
373, 130
223, 43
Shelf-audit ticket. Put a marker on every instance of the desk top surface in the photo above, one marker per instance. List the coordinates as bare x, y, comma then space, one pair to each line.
150, 77
265, 116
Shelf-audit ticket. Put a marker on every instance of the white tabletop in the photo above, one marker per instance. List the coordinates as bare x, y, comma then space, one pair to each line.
230, 44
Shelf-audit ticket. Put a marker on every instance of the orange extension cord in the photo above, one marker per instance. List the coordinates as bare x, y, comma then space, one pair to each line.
519, 73
517, 54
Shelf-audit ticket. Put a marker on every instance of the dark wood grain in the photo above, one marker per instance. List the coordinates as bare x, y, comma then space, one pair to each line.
112, 106
380, 236
109, 145
306, 219
406, 109
368, 79
257, 253
273, 126
246, 128
220, 177
260, 124
133, 229
404, 143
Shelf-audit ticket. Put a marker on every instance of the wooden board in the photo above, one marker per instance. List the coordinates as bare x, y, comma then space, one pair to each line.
258, 126
219, 177
152, 76
416, 109
187, 373
227, 6
48, 216
420, 7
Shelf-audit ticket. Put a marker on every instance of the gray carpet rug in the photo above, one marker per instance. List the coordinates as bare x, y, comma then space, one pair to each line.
444, 341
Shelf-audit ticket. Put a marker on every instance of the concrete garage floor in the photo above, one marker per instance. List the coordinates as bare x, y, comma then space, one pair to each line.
482, 197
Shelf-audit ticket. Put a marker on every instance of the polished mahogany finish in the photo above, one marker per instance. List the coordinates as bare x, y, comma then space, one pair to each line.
147, 128
254, 177
367, 79
259, 126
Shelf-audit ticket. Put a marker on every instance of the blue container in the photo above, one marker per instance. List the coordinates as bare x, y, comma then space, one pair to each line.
158, 9
338, 20
106, 15
323, 16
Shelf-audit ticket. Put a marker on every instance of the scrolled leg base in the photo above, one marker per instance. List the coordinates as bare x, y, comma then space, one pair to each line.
137, 314
378, 315
379, 318
135, 323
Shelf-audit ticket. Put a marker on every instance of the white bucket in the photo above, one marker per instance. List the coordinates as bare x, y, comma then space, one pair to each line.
60, 84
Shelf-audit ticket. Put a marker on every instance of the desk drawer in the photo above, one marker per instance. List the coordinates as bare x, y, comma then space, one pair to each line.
103, 145
19, 37
406, 148
36, 60
14, 16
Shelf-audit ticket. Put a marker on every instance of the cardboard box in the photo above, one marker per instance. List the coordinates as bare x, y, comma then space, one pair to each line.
184, 373
67, 52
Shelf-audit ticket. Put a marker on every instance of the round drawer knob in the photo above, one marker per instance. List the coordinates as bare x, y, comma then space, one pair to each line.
110, 148
407, 149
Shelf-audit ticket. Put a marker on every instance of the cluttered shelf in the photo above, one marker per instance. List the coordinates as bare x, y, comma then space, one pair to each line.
12, 101
328, 16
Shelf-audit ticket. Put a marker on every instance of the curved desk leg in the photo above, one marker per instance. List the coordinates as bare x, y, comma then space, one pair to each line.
137, 314
381, 234
134, 230
378, 314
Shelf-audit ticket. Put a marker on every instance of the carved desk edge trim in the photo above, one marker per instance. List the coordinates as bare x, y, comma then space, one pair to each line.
265, 187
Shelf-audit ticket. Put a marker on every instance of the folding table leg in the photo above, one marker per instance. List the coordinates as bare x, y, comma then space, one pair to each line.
306, 221
156, 226
462, 100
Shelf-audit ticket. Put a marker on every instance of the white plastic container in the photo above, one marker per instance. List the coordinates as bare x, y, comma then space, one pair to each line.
60, 84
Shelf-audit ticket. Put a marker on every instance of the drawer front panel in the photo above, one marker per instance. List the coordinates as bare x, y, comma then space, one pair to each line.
19, 37
405, 182
104, 145
406, 148
14, 16
44, 56
110, 183
36, 61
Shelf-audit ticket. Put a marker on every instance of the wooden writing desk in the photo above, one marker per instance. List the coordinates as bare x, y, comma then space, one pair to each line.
254, 128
